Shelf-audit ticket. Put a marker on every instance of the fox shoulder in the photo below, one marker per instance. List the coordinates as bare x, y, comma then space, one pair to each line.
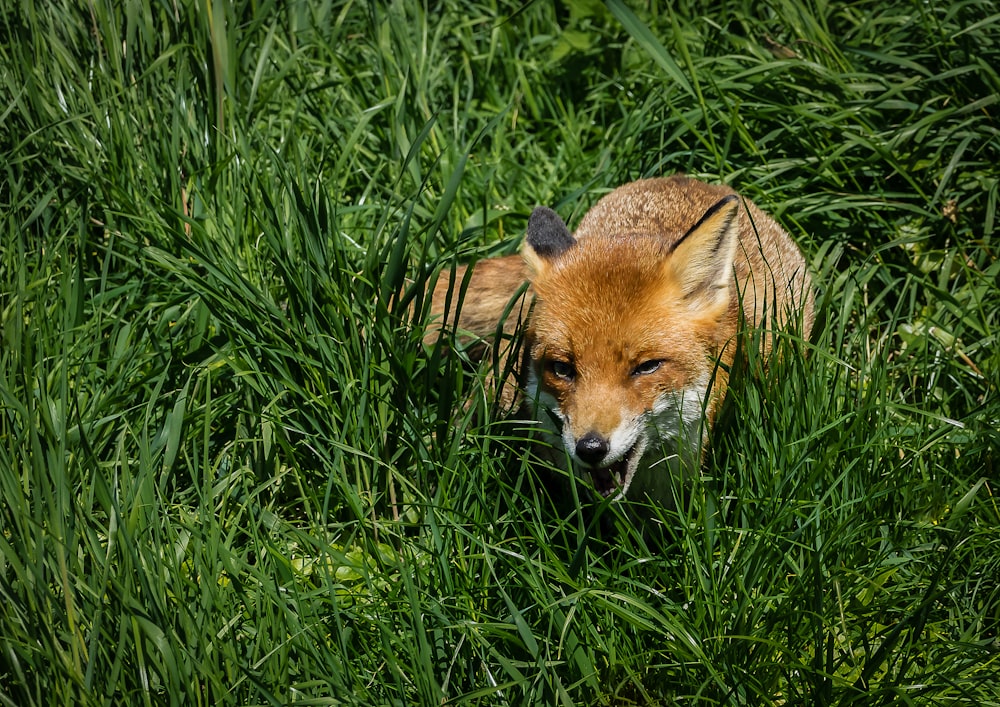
478, 300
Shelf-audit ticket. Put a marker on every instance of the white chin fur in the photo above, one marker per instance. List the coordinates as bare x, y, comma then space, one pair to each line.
676, 420
634, 459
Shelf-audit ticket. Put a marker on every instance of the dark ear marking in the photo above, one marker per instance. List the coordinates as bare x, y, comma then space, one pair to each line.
702, 261
547, 234
720, 204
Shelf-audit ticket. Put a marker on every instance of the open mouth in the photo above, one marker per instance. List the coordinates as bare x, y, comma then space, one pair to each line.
613, 479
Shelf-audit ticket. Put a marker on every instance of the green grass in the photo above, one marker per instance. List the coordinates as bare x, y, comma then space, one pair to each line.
231, 474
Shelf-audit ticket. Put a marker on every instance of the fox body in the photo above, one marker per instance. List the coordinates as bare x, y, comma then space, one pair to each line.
633, 323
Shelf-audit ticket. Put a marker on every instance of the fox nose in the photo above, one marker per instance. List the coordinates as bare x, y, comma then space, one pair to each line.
591, 448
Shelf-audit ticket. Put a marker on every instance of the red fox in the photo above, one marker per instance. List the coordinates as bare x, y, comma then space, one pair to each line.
633, 323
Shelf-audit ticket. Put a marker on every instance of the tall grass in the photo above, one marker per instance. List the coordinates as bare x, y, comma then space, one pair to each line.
231, 473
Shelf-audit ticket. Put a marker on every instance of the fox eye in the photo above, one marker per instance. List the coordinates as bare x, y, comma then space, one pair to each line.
647, 367
562, 369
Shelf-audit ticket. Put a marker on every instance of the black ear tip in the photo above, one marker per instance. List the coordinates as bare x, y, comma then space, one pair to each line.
542, 218
724, 202
721, 205
547, 234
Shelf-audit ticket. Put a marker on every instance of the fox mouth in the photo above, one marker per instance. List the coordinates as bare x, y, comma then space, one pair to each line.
613, 479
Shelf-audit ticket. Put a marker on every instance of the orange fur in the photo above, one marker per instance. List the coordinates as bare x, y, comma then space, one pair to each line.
632, 317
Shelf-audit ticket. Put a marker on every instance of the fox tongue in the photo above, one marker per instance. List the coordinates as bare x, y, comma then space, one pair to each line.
607, 479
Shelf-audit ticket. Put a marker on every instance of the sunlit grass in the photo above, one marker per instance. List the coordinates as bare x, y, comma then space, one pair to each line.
231, 473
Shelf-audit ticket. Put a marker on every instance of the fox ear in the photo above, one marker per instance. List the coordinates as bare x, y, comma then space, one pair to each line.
547, 239
702, 261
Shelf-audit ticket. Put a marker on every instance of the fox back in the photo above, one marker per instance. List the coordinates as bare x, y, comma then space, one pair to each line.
634, 322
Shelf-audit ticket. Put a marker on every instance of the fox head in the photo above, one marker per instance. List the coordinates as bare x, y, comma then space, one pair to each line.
625, 339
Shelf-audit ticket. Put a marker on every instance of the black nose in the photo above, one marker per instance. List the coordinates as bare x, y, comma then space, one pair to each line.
591, 448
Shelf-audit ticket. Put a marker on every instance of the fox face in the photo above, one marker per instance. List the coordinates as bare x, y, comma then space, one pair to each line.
625, 341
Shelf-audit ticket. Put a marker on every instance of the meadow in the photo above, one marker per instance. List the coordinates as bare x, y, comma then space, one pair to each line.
232, 474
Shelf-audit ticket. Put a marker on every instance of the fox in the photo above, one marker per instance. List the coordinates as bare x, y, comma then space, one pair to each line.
632, 324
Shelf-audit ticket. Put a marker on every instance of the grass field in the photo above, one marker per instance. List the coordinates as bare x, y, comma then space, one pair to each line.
230, 474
